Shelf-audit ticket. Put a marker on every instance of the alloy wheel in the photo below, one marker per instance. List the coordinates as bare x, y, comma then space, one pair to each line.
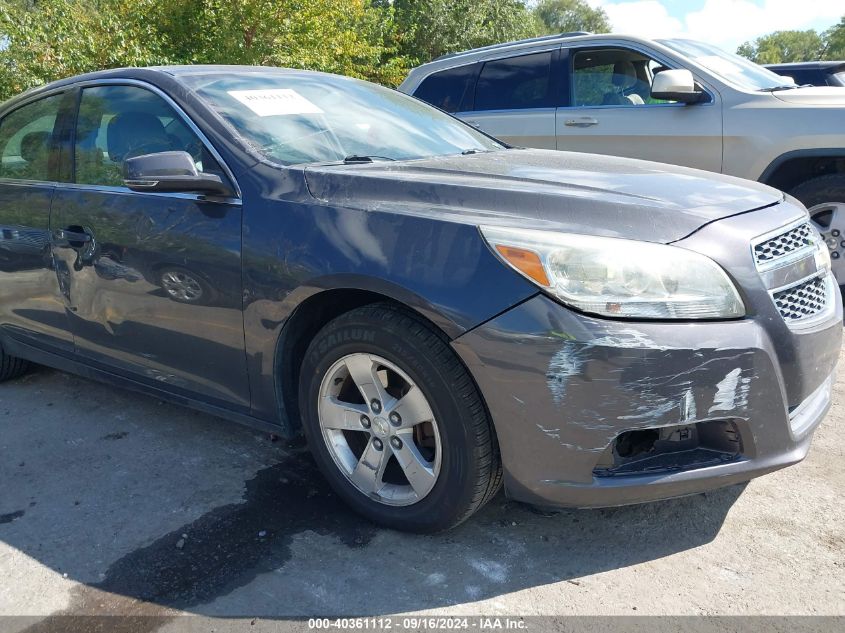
829, 219
379, 429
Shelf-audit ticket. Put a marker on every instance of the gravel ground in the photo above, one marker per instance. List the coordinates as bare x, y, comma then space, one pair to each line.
115, 503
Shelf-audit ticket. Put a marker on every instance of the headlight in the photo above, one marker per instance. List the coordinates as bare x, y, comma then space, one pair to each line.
617, 277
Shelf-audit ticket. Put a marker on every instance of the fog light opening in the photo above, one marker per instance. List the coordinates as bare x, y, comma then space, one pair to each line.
680, 447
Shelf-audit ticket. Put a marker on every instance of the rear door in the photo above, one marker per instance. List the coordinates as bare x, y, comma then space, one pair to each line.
31, 161
153, 286
514, 99
609, 110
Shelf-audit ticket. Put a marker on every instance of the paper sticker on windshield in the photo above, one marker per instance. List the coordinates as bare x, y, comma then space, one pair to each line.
275, 102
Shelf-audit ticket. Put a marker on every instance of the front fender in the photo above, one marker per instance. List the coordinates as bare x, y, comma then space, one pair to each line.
292, 252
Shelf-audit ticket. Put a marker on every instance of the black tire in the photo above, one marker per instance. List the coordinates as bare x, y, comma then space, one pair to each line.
470, 470
11, 367
830, 188
827, 193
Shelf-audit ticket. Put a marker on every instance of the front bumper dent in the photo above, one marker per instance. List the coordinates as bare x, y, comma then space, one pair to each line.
562, 387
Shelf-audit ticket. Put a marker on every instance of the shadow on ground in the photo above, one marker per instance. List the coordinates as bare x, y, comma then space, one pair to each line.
152, 507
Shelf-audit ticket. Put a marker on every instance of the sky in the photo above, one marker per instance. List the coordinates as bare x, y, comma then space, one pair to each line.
726, 23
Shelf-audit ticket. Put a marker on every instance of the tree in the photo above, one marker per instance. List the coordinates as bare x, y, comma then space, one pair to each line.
426, 29
835, 41
797, 46
341, 36
56, 38
562, 16
784, 46
49, 39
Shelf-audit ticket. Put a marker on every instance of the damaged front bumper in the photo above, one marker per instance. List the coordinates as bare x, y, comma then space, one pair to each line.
596, 412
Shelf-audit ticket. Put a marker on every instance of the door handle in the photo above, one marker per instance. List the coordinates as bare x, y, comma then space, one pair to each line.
584, 121
71, 236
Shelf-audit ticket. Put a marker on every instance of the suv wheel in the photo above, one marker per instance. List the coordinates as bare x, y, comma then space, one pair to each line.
11, 367
395, 422
824, 198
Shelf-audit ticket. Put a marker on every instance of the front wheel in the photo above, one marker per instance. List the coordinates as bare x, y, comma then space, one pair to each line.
11, 367
824, 198
395, 421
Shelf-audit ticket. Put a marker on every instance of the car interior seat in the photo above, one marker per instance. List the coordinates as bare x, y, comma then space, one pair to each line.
134, 134
624, 78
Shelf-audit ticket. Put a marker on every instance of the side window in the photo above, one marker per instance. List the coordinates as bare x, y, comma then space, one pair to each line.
515, 83
447, 89
119, 122
28, 147
613, 76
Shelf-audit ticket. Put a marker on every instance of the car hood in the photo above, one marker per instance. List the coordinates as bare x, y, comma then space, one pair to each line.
821, 95
565, 191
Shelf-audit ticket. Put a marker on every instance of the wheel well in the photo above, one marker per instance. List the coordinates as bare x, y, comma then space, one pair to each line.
302, 326
793, 171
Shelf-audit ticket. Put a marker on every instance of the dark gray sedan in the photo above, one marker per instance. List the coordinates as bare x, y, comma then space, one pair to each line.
437, 312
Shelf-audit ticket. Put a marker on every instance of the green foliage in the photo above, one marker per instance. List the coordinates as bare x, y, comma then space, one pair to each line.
66, 37
426, 29
784, 46
797, 46
50, 39
835, 41
379, 40
561, 16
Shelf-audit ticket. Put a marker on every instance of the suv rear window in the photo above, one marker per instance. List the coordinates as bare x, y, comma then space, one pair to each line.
446, 90
515, 83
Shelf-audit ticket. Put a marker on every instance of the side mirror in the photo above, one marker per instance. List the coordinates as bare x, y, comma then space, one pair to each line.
172, 172
676, 85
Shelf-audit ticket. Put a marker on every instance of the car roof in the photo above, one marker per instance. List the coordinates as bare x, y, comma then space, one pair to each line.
530, 40
151, 74
480, 54
573, 37
818, 65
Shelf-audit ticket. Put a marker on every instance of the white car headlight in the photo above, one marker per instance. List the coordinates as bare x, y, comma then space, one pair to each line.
619, 278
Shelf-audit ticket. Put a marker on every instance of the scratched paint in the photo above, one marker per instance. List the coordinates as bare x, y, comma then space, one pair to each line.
553, 433
565, 363
627, 339
731, 392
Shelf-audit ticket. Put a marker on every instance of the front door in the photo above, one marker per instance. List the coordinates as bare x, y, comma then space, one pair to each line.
152, 281
31, 161
610, 111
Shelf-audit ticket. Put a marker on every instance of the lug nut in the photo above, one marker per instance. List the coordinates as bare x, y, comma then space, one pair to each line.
835, 232
835, 255
378, 444
842, 243
396, 443
375, 405
395, 419
365, 421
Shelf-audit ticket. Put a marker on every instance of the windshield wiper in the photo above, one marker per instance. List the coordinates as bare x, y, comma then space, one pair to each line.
779, 88
356, 158
475, 150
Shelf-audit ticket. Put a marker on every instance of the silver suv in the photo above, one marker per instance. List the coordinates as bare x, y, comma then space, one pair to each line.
673, 101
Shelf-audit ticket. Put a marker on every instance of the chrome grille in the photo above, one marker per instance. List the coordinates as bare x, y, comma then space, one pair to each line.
783, 244
803, 300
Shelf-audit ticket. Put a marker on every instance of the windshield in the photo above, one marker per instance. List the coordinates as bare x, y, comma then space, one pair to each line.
730, 67
293, 117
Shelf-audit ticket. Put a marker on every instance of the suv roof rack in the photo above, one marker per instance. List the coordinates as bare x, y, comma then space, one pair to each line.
530, 40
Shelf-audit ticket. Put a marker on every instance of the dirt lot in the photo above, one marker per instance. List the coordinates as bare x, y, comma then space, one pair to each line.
111, 502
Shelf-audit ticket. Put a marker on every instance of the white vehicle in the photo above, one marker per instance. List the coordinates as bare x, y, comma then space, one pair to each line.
674, 101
